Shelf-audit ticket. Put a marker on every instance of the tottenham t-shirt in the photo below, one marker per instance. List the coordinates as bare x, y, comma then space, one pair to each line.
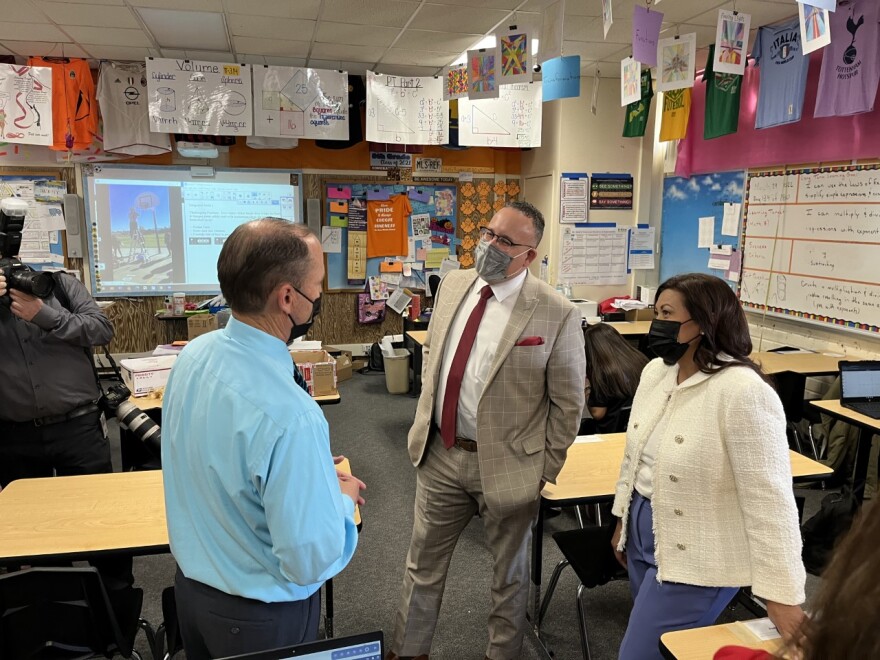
779, 54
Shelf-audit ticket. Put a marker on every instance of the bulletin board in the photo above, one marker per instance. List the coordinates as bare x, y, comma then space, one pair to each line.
685, 201
811, 244
53, 243
439, 201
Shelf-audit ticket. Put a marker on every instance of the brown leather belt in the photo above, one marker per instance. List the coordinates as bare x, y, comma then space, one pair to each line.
465, 444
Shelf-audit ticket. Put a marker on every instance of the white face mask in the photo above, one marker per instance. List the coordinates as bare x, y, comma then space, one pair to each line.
491, 263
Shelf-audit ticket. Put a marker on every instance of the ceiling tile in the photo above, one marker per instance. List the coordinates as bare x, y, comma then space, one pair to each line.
390, 13
580, 28
355, 68
187, 5
418, 57
509, 5
71, 13
443, 18
21, 12
258, 60
438, 41
282, 48
271, 27
589, 51
347, 33
682, 11
104, 52
204, 55
323, 51
94, 2
620, 32
406, 70
31, 32
104, 37
705, 34
307, 9
762, 13
28, 48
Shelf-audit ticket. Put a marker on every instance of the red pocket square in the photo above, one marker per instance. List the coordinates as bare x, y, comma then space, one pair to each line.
531, 341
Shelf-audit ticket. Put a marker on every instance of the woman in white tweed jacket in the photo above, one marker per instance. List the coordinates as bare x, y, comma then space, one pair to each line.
704, 497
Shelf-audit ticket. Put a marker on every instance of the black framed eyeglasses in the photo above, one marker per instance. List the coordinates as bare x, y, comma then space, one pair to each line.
487, 235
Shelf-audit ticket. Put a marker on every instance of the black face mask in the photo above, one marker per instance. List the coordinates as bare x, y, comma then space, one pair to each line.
300, 329
663, 340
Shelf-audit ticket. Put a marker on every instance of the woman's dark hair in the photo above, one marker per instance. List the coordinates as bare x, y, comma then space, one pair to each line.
613, 365
846, 609
715, 308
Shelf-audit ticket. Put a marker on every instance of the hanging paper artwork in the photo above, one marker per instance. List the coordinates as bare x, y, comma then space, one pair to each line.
300, 103
830, 5
594, 100
511, 120
406, 110
607, 17
483, 74
676, 59
551, 31
732, 40
562, 78
630, 81
26, 104
645, 34
815, 32
515, 49
455, 82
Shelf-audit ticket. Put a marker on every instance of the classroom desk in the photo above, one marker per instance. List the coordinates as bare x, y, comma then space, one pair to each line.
868, 427
152, 403
806, 364
414, 340
702, 643
589, 476
630, 328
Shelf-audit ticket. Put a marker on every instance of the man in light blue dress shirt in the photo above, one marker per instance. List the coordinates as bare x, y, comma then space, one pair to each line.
258, 517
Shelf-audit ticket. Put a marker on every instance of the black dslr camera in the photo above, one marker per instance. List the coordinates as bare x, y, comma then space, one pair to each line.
114, 403
18, 275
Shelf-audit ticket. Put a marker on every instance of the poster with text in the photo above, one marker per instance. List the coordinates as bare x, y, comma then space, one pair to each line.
676, 59
515, 51
200, 98
406, 110
645, 34
300, 103
483, 73
511, 120
26, 104
455, 82
732, 40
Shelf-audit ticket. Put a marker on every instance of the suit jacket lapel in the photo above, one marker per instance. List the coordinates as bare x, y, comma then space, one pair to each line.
519, 317
456, 288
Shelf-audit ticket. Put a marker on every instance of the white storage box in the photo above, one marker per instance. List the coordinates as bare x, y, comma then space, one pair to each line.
588, 307
143, 375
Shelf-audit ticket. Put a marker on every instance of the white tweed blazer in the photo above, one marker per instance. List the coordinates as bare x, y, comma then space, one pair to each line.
724, 510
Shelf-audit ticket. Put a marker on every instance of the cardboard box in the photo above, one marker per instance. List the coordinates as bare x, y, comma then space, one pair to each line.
143, 375
646, 314
319, 370
344, 361
199, 324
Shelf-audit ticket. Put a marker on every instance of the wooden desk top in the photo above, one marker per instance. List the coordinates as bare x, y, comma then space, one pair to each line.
833, 407
809, 364
702, 643
418, 336
591, 469
630, 327
150, 403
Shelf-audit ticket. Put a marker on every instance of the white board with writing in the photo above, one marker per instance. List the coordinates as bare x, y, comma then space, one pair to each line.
406, 110
511, 120
811, 246
300, 103
200, 98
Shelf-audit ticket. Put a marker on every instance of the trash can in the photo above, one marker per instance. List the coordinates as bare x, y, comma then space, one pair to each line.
397, 372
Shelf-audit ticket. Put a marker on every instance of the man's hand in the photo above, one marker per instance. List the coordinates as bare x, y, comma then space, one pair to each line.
2, 285
349, 484
24, 306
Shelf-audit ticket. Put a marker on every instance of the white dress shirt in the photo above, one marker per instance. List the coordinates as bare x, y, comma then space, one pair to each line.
495, 318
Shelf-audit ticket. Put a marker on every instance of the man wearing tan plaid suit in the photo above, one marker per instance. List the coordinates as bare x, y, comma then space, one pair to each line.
502, 396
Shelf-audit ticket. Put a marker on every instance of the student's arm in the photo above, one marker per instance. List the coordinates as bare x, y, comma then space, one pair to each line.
597, 412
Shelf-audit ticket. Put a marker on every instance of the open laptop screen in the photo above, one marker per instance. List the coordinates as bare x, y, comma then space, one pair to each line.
860, 380
356, 647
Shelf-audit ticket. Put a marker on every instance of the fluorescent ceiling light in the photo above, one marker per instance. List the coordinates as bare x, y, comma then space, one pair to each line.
186, 30
489, 42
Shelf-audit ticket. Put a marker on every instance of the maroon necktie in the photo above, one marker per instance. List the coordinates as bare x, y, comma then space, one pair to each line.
449, 414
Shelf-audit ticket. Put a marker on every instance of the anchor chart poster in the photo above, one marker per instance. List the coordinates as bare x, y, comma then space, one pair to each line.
25, 104
201, 98
300, 103
406, 110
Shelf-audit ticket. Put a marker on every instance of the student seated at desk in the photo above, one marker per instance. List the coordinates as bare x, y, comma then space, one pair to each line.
705, 496
843, 623
613, 371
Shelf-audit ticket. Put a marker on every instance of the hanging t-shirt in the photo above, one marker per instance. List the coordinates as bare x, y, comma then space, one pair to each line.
851, 62
387, 222
783, 68
636, 118
676, 111
74, 106
722, 101
122, 95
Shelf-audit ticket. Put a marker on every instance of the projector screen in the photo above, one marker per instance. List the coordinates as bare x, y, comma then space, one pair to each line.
157, 230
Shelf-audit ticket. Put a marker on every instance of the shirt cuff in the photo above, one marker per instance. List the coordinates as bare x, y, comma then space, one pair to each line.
348, 503
48, 318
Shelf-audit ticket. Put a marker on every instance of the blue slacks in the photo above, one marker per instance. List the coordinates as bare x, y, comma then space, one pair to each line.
660, 608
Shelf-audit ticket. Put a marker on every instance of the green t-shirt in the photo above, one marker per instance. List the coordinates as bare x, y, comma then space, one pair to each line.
722, 101
636, 118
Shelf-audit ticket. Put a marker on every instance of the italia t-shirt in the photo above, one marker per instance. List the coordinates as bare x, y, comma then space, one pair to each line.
636, 118
779, 54
676, 110
122, 95
722, 101
851, 62
387, 221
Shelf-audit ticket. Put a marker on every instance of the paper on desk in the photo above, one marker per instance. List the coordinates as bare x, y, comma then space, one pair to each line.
584, 439
707, 232
763, 629
730, 221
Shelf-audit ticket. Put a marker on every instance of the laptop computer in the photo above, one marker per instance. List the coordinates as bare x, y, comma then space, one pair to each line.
367, 646
860, 387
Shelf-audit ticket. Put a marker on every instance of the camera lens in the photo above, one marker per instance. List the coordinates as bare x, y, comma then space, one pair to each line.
143, 428
37, 284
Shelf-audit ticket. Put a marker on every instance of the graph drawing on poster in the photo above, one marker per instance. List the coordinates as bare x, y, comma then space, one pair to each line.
511, 120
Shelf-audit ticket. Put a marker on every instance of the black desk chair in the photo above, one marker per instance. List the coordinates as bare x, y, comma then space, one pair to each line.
55, 613
433, 285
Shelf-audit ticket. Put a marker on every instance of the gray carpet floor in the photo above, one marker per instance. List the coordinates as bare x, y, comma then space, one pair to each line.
369, 426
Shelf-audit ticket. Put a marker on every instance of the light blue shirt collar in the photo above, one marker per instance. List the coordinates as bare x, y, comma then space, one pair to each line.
260, 341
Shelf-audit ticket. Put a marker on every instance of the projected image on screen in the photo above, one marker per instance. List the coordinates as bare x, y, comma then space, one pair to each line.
157, 229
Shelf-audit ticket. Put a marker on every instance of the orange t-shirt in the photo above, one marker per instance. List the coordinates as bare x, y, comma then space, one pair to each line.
387, 222
74, 105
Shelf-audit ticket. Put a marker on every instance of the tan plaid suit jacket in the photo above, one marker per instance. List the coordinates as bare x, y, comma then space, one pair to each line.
532, 403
